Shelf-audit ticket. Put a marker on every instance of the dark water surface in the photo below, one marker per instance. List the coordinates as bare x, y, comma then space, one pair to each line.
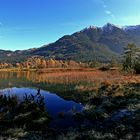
19, 84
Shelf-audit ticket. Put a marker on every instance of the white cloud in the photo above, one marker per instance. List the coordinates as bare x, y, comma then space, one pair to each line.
108, 12
105, 6
106, 9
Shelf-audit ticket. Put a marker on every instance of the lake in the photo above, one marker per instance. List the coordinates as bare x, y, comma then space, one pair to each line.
21, 83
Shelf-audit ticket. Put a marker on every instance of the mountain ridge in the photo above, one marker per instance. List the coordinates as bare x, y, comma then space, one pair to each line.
91, 43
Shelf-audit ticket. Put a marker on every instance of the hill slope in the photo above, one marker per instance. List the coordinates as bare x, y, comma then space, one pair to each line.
91, 43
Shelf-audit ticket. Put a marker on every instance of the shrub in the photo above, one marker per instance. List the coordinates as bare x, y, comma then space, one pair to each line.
30, 114
137, 68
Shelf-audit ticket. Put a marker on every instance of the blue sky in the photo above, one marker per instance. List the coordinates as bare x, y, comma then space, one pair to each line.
32, 23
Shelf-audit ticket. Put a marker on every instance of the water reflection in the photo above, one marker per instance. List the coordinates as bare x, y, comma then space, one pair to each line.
18, 79
58, 77
28, 75
53, 103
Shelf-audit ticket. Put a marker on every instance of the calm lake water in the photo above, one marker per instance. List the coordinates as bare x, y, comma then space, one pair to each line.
21, 83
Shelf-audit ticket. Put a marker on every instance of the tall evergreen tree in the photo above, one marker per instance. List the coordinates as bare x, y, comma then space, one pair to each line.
131, 57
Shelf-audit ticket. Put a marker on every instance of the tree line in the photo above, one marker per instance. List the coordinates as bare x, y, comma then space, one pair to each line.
37, 62
131, 62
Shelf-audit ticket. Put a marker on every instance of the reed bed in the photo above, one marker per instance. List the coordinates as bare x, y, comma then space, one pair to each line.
88, 77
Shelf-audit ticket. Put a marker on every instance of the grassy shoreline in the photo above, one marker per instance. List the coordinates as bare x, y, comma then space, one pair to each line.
49, 69
111, 100
113, 111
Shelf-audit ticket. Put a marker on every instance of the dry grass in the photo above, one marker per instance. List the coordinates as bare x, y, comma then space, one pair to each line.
76, 76
88, 77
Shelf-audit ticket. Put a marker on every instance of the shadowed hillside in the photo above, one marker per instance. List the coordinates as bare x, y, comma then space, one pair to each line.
92, 43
